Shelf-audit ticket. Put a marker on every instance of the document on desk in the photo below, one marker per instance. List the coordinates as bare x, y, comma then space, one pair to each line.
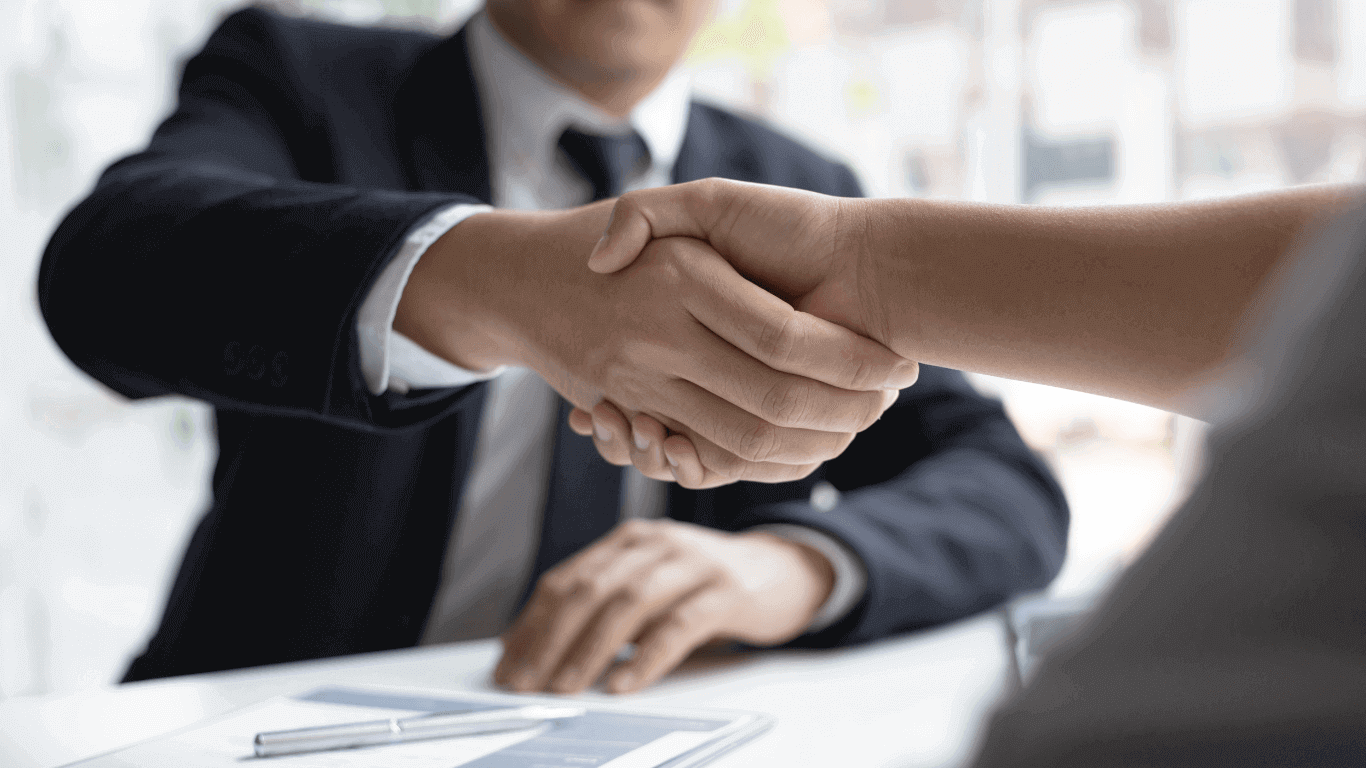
608, 736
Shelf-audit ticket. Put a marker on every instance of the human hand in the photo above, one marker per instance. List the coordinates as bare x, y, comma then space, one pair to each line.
669, 588
808, 249
804, 247
763, 392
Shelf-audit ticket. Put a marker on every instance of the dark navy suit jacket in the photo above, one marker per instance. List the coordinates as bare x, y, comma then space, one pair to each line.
227, 262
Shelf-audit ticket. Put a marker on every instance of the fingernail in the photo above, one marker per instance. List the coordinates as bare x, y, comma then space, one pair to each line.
674, 471
642, 442
672, 461
604, 434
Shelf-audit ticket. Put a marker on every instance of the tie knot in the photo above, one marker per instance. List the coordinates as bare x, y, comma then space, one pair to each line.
605, 161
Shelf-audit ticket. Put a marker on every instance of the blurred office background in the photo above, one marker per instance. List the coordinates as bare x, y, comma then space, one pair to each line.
1054, 102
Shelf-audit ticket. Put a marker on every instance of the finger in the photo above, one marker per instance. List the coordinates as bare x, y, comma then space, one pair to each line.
687, 467
622, 619
743, 434
720, 421
569, 601
665, 643
719, 461
781, 399
611, 434
645, 424
662, 456
647, 447
718, 466
772, 332
639, 217
520, 641
581, 422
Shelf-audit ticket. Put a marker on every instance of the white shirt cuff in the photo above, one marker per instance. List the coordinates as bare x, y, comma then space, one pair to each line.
851, 575
388, 360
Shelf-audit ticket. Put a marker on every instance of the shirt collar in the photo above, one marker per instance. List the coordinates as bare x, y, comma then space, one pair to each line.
526, 111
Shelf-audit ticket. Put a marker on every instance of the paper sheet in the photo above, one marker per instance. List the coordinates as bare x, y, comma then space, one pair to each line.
601, 738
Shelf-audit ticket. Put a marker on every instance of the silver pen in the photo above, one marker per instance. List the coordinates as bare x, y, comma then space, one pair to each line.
440, 725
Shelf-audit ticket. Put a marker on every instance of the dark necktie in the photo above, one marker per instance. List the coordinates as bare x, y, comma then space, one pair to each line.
584, 497
606, 161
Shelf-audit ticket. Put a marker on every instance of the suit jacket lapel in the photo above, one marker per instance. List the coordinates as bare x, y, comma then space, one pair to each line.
700, 155
440, 124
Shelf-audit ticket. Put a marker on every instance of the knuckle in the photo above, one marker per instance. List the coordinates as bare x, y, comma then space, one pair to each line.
671, 533
779, 338
674, 627
667, 264
725, 463
635, 526
707, 189
694, 617
559, 585
628, 204
787, 403
863, 374
757, 442
596, 587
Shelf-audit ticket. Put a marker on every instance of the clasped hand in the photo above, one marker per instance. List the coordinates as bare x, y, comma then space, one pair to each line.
760, 390
808, 249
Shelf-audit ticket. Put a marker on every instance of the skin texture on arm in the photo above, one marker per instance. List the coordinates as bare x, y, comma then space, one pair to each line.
1134, 302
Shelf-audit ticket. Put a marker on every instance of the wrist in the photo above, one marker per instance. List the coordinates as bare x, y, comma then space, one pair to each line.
456, 300
810, 576
873, 263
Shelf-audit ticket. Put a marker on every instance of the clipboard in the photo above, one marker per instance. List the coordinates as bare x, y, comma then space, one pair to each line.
608, 736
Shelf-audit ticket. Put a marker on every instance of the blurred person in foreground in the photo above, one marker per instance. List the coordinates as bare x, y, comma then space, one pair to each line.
1239, 637
308, 244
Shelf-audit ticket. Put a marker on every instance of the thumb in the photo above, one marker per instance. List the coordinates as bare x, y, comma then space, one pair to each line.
681, 210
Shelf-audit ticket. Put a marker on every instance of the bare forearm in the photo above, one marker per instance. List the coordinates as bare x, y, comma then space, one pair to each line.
1135, 302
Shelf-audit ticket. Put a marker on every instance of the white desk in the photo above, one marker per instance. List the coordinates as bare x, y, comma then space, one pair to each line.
913, 701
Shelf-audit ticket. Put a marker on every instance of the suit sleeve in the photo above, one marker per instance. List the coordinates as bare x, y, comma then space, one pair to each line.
210, 266
950, 512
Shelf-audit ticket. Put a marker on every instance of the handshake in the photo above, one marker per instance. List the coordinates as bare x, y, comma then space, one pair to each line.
728, 331
727, 337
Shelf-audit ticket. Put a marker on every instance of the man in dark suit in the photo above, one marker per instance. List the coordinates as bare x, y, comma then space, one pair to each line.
308, 244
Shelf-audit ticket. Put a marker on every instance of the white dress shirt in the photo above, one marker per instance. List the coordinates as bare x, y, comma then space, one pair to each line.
492, 548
